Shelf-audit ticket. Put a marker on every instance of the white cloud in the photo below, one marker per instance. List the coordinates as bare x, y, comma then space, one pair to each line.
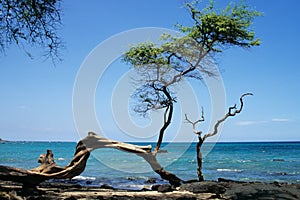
280, 120
248, 123
253, 122
23, 107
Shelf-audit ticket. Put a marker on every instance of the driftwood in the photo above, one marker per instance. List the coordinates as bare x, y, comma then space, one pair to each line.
50, 170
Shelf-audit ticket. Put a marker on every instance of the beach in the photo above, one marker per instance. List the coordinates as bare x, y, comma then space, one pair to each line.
222, 189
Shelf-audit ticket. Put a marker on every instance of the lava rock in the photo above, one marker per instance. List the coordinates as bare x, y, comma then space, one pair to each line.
155, 187
105, 186
162, 151
151, 180
204, 187
165, 188
278, 160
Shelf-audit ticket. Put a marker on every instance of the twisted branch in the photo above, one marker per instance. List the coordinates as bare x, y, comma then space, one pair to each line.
196, 122
233, 110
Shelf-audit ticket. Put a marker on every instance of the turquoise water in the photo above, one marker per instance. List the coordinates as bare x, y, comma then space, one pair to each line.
261, 161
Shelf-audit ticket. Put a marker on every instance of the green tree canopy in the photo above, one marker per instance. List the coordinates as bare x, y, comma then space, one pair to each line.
31, 22
216, 29
163, 65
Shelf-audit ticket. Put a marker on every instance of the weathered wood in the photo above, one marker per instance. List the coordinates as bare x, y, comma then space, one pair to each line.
50, 170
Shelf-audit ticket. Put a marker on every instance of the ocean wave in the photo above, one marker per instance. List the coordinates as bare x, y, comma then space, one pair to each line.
83, 178
229, 170
133, 186
244, 161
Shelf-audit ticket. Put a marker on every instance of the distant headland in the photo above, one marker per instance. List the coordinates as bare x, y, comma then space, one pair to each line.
2, 141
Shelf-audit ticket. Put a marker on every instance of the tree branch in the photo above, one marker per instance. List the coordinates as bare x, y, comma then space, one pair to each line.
232, 111
195, 123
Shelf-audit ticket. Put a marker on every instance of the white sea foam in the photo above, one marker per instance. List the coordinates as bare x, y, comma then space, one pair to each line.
60, 159
134, 186
244, 161
229, 170
84, 178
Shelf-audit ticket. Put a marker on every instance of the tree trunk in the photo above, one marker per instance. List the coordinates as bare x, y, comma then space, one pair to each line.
167, 120
199, 158
50, 170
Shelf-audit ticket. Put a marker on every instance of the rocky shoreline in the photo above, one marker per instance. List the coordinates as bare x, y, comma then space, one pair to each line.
221, 189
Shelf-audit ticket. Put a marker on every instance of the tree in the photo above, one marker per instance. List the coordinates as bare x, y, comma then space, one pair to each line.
232, 111
32, 22
162, 66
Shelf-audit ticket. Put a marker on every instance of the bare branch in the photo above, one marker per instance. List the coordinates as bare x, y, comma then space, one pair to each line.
232, 111
195, 123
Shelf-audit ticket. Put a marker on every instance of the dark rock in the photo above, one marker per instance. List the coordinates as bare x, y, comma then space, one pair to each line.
130, 178
278, 160
162, 151
89, 182
105, 186
186, 198
145, 189
229, 180
276, 183
191, 181
155, 187
165, 188
205, 187
162, 188
70, 198
151, 180
61, 185
261, 191
280, 184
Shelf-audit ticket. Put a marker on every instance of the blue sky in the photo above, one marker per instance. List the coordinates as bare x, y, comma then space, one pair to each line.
36, 97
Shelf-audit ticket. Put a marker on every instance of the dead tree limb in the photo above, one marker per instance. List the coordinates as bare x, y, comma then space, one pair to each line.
196, 122
50, 170
233, 110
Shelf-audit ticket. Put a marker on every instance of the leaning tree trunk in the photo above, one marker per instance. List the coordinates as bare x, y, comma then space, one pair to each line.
50, 170
167, 119
94, 141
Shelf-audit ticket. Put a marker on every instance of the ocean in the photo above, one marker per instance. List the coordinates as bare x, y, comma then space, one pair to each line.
247, 161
